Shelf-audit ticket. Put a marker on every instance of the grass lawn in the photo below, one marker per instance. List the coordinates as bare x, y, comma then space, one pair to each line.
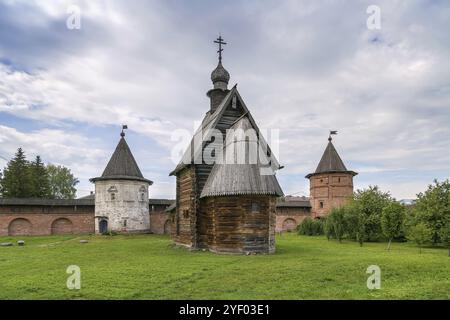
148, 267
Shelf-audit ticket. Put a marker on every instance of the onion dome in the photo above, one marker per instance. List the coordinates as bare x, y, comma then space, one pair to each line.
220, 77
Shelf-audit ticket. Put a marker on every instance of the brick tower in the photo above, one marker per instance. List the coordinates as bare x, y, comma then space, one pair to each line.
331, 185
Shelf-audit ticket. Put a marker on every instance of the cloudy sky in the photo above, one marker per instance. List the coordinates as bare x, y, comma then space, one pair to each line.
303, 67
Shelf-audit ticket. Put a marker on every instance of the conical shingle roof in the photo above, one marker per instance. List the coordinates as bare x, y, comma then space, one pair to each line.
330, 162
122, 165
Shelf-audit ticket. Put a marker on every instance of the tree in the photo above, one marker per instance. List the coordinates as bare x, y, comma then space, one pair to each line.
40, 183
392, 218
62, 182
370, 203
337, 223
1, 188
420, 234
16, 182
433, 208
445, 236
354, 221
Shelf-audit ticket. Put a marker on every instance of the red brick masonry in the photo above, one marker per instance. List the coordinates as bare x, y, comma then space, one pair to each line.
21, 217
45, 220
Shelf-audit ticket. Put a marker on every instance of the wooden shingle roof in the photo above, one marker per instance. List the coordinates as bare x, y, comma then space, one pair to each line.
122, 165
236, 178
330, 162
204, 133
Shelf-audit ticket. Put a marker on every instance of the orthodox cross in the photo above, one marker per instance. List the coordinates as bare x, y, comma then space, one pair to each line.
220, 42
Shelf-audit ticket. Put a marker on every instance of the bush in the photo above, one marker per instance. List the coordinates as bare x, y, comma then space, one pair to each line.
317, 227
336, 223
310, 227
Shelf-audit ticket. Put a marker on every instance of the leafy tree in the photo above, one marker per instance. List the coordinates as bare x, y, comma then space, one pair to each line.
370, 203
354, 222
433, 208
445, 236
420, 234
40, 183
1, 188
337, 223
16, 182
392, 219
62, 182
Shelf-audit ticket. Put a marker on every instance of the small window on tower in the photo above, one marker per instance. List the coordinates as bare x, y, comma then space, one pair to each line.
339, 179
113, 196
124, 223
321, 204
142, 196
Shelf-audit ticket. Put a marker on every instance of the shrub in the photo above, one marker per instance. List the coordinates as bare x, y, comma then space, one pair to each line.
336, 222
310, 227
317, 227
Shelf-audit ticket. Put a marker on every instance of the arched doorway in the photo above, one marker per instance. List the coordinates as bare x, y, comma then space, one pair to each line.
168, 227
289, 224
103, 226
62, 226
19, 227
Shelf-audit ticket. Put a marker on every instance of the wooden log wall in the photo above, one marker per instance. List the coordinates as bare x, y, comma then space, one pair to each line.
228, 224
182, 232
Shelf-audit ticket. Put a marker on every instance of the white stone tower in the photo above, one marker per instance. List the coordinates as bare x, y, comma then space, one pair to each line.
121, 194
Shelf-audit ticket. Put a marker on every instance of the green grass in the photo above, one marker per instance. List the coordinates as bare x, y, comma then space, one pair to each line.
148, 267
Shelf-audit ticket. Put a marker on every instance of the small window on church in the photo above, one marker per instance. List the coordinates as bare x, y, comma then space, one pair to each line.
113, 196
142, 196
255, 207
186, 213
124, 223
339, 179
321, 204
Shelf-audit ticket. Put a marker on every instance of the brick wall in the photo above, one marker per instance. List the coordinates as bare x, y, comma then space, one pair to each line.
288, 218
160, 222
46, 220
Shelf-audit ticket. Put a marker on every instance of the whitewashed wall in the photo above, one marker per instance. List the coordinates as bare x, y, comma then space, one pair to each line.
129, 211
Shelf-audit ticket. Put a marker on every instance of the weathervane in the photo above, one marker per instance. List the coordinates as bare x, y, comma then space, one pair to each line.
220, 42
332, 132
124, 127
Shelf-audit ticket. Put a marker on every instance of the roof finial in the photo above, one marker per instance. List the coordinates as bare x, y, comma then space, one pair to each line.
124, 127
220, 42
332, 132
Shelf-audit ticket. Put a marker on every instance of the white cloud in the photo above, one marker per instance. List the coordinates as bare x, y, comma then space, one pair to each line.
302, 67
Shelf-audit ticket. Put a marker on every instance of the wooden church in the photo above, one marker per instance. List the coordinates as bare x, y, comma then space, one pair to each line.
225, 195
